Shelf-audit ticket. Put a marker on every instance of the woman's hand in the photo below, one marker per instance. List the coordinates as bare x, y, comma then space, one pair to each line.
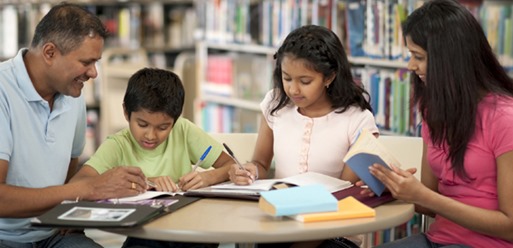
401, 183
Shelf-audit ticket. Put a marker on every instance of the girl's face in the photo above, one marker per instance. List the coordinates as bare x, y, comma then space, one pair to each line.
149, 129
305, 87
419, 59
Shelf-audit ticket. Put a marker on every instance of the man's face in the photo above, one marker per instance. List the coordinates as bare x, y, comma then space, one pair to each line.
69, 72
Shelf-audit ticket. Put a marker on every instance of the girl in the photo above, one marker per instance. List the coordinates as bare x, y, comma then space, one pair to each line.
312, 114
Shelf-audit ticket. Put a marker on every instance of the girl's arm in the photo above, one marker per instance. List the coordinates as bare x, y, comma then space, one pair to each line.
263, 153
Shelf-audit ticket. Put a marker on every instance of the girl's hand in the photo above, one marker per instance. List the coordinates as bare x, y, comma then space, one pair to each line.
244, 176
365, 189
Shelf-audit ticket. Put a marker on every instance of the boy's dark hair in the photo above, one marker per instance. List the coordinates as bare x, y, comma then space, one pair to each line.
323, 52
461, 69
66, 25
155, 90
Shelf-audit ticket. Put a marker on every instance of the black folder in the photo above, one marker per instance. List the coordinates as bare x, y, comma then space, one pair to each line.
86, 214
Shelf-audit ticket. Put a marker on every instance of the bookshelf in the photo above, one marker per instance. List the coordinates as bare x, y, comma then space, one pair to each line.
236, 42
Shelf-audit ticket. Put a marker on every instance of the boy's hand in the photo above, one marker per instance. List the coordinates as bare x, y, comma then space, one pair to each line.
193, 180
164, 183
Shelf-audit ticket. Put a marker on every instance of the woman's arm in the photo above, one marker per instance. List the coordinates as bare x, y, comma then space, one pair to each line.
496, 223
428, 179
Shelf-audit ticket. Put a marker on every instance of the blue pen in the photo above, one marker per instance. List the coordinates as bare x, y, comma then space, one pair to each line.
202, 158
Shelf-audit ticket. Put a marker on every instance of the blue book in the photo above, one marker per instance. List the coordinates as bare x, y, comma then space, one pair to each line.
360, 164
364, 152
297, 200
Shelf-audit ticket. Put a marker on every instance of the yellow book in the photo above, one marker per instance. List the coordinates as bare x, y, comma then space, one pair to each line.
348, 208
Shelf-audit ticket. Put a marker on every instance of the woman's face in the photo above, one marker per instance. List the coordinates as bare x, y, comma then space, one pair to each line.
418, 60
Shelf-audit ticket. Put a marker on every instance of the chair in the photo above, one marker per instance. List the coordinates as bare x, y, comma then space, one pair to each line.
408, 151
242, 144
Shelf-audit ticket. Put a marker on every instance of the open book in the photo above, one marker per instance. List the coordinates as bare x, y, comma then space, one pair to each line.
150, 194
252, 191
364, 152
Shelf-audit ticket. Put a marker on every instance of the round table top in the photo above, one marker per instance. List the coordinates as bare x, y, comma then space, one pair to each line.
214, 220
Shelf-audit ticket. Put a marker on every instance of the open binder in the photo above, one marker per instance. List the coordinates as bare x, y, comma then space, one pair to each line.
86, 214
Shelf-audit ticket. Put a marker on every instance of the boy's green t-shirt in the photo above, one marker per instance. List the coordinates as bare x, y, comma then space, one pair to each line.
174, 157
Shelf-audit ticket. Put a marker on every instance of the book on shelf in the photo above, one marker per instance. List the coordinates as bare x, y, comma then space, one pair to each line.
297, 200
363, 153
348, 208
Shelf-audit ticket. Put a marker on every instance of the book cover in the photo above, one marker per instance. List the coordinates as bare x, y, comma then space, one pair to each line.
348, 208
365, 152
297, 200
371, 201
93, 214
87, 214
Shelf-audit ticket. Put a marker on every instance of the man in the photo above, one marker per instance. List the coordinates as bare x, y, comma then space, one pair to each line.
42, 129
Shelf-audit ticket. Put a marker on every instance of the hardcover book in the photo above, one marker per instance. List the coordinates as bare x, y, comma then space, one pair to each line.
348, 208
366, 151
297, 200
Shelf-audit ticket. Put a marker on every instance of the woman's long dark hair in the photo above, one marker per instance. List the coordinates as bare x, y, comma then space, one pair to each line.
324, 53
461, 69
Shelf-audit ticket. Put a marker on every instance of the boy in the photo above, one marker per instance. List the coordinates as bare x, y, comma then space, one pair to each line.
159, 141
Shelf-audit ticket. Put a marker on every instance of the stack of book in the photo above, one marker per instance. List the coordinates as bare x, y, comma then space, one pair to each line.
312, 203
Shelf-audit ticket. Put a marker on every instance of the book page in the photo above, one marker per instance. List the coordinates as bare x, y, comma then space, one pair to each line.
368, 143
258, 185
330, 183
309, 178
144, 196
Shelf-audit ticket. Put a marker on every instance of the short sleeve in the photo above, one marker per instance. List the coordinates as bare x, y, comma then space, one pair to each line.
265, 106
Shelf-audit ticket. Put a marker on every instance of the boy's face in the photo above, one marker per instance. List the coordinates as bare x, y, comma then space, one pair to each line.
149, 129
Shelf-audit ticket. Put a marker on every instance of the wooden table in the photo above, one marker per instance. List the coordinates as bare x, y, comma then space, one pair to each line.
236, 221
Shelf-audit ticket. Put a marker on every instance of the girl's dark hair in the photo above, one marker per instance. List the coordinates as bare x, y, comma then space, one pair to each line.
155, 90
461, 69
324, 53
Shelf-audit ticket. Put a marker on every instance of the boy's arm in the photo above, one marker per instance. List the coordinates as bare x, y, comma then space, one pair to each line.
195, 180
220, 173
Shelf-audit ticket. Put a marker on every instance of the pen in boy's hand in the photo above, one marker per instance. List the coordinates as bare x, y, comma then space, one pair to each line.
234, 158
201, 158
150, 183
